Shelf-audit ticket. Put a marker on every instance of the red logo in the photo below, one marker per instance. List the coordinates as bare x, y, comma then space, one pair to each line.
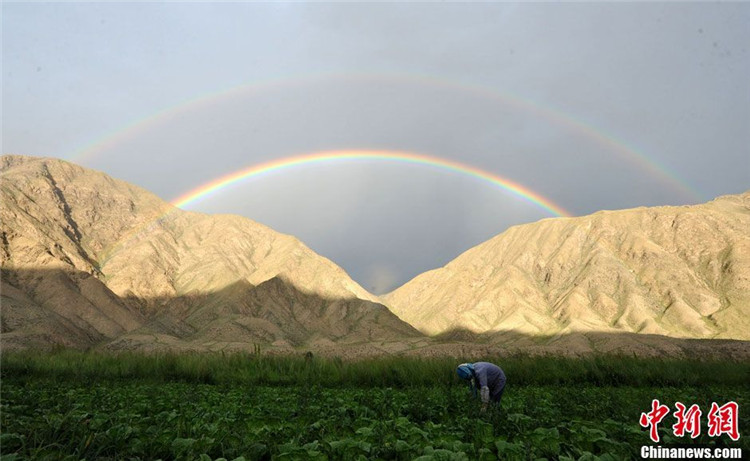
687, 421
721, 420
653, 418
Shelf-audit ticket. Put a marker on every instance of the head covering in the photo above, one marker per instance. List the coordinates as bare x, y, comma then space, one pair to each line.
465, 371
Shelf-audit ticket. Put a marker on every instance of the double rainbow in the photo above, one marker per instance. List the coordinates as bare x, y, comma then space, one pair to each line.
555, 116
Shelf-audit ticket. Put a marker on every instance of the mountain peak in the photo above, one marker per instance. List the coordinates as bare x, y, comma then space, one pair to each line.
674, 271
76, 234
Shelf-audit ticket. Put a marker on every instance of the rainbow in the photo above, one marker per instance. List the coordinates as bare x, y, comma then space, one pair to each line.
334, 156
574, 124
373, 155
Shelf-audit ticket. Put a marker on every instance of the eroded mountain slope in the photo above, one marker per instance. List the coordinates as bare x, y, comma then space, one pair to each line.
115, 261
675, 271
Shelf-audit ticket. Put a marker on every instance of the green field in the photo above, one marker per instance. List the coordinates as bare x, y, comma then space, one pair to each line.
95, 406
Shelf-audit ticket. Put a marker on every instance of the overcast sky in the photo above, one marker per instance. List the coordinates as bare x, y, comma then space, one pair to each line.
591, 105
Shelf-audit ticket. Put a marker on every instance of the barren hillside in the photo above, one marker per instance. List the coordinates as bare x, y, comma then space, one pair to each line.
87, 259
90, 261
674, 271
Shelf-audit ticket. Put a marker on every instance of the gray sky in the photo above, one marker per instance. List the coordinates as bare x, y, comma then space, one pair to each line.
592, 105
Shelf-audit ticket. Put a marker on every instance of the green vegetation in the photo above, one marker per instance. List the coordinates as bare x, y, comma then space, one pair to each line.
257, 369
95, 406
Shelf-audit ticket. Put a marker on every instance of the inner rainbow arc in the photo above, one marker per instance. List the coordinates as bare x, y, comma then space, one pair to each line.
378, 155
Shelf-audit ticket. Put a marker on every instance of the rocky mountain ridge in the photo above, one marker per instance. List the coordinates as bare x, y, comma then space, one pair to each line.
89, 260
672, 271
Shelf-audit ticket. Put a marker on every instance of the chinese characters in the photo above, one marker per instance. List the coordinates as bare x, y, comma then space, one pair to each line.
721, 420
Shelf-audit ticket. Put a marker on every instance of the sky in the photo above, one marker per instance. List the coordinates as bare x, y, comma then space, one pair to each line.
590, 105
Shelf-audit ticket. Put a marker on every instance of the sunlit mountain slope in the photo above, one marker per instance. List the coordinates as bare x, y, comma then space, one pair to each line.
87, 259
674, 271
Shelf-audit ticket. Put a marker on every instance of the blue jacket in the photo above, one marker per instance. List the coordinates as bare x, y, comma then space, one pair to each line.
492, 377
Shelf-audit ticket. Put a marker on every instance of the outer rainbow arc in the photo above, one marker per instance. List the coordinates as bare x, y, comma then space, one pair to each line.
552, 114
407, 157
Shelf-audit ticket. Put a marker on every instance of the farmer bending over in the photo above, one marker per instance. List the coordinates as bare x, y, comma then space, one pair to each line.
485, 376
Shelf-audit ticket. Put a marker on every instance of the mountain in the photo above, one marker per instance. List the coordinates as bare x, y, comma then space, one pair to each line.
88, 260
680, 272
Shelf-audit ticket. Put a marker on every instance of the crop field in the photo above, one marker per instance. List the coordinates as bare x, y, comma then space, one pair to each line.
85, 406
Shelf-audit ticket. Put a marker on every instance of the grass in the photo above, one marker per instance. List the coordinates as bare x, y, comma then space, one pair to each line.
395, 371
75, 405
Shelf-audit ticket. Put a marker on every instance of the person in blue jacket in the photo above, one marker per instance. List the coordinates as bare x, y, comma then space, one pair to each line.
486, 377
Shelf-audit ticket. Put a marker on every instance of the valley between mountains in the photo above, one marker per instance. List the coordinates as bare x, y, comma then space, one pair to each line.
92, 262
